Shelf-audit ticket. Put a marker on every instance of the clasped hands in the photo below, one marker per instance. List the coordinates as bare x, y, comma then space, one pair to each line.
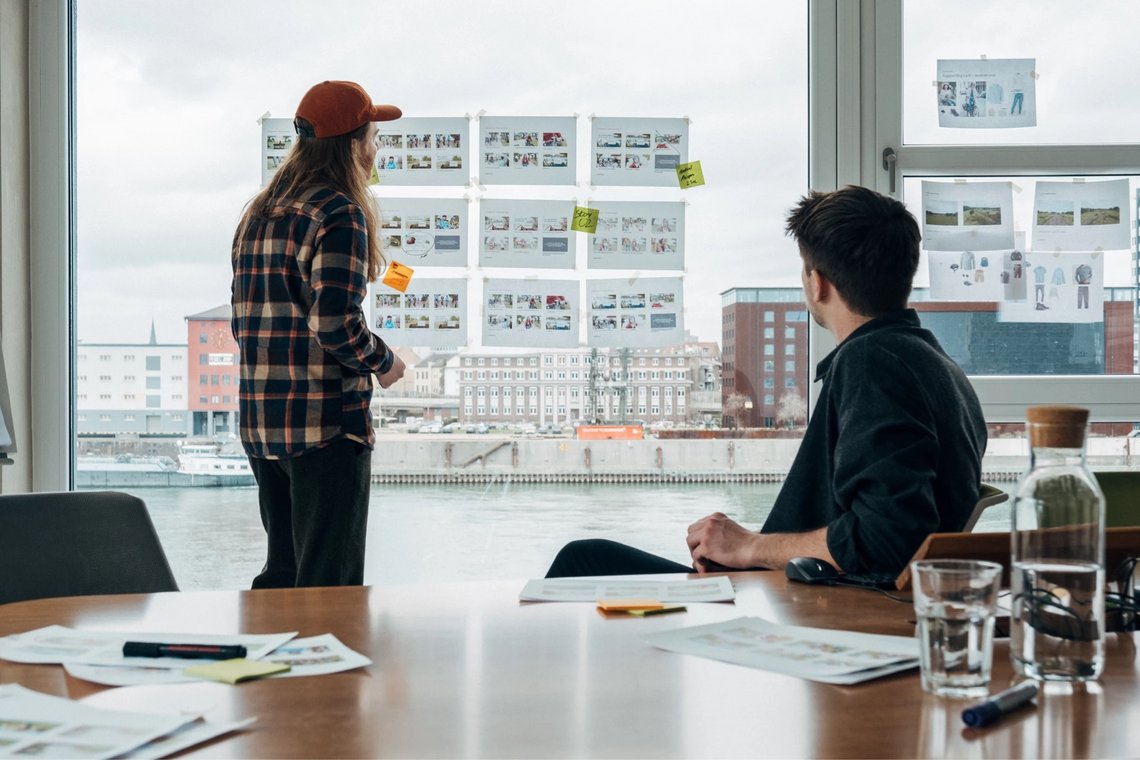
719, 543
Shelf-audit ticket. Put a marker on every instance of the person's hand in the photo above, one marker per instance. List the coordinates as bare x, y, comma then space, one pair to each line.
719, 543
394, 373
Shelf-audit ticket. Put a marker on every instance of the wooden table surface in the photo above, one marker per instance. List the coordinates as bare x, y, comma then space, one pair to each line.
465, 670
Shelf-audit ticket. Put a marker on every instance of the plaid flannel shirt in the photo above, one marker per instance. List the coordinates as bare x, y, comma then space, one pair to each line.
307, 355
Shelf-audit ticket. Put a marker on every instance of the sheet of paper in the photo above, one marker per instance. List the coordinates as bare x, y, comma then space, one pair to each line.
40, 725
990, 93
310, 656
715, 589
642, 152
637, 235
1060, 287
425, 232
970, 275
818, 654
57, 644
967, 216
1081, 216
635, 312
432, 311
531, 312
277, 138
192, 733
523, 150
424, 151
526, 234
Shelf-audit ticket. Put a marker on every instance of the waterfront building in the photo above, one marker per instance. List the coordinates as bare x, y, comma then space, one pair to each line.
131, 389
212, 367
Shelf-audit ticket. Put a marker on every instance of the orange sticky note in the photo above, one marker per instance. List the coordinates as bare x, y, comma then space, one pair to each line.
626, 605
690, 175
398, 276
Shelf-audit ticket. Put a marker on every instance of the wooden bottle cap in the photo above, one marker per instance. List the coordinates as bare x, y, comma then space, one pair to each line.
1055, 426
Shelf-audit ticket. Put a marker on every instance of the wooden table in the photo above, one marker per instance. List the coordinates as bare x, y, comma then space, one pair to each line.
464, 670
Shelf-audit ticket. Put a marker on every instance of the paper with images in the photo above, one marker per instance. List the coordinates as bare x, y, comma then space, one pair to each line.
1081, 216
423, 151
997, 93
638, 235
277, 139
526, 234
970, 275
431, 311
425, 232
967, 216
709, 589
817, 654
641, 152
523, 150
1060, 287
531, 312
635, 312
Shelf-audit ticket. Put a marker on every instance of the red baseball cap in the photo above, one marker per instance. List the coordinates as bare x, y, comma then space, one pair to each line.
336, 108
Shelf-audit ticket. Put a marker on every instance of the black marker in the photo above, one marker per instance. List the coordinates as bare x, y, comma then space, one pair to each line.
984, 713
189, 651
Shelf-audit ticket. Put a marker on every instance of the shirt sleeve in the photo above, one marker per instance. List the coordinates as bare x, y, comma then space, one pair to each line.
339, 284
885, 462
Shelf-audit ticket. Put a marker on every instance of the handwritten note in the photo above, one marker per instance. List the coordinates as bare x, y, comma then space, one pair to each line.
585, 220
398, 276
690, 175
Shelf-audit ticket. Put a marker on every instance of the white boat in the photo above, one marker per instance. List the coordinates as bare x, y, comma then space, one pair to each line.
215, 463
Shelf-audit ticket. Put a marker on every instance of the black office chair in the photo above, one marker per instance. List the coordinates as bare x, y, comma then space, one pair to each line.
78, 543
987, 497
1121, 497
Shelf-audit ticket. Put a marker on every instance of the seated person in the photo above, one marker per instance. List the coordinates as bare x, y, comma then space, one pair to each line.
894, 446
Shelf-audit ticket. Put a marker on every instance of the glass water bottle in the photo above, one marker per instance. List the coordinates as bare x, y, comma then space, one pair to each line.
1057, 564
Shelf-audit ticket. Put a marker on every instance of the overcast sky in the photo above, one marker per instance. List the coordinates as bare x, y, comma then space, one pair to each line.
169, 95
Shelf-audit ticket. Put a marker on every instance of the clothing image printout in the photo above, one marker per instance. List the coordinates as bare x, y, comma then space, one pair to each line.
987, 93
1081, 216
636, 235
523, 150
967, 216
642, 152
277, 139
424, 231
633, 313
526, 234
432, 312
424, 151
530, 312
969, 275
1060, 287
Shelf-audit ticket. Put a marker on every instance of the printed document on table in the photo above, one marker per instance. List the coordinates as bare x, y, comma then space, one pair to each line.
196, 732
715, 589
40, 725
817, 654
58, 644
311, 656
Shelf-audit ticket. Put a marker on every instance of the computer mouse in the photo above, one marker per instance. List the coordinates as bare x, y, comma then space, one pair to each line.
810, 570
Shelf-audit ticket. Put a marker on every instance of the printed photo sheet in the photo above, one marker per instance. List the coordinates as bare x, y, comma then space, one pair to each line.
640, 152
714, 589
526, 234
39, 725
1081, 216
1059, 287
634, 235
531, 313
967, 216
817, 654
632, 313
424, 151
425, 232
522, 150
974, 275
987, 93
432, 312
277, 138
58, 644
311, 656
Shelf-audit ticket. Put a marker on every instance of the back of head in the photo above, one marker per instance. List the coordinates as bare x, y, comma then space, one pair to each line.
866, 244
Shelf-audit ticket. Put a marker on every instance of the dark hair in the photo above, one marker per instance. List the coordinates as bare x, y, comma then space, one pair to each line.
327, 161
864, 243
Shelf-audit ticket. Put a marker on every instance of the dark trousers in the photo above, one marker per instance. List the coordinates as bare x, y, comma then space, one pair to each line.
598, 556
315, 511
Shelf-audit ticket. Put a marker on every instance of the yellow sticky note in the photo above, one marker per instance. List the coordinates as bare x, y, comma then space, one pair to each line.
585, 219
625, 605
398, 276
234, 671
374, 179
690, 174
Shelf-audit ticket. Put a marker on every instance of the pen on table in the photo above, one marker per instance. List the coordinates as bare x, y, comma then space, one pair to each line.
984, 713
189, 651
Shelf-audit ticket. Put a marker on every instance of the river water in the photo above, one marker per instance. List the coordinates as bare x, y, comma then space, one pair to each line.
423, 533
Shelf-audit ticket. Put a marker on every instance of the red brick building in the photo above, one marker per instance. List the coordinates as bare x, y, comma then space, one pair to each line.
212, 372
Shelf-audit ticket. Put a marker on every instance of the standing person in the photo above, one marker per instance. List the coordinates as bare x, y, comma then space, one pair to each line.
304, 252
893, 450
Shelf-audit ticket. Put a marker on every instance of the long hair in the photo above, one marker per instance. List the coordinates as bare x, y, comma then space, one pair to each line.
313, 161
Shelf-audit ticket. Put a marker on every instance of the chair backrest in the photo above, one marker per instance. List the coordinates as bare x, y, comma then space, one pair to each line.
78, 543
1121, 497
987, 496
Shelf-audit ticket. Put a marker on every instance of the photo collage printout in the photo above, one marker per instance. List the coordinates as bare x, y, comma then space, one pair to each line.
450, 239
974, 254
987, 93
